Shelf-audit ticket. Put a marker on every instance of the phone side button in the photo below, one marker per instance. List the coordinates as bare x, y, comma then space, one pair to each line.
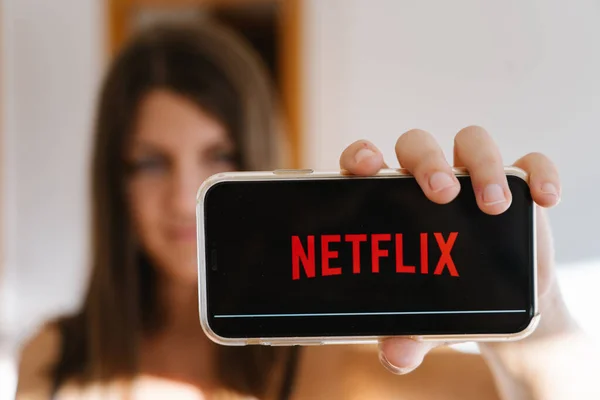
306, 171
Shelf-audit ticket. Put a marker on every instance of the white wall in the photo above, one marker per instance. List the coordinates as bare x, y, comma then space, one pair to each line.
52, 63
528, 71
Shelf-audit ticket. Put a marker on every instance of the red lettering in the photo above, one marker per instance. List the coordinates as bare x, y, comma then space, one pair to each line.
424, 254
303, 258
327, 254
299, 255
376, 252
400, 267
445, 258
355, 240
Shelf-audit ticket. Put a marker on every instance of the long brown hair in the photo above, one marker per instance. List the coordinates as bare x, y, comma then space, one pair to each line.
212, 67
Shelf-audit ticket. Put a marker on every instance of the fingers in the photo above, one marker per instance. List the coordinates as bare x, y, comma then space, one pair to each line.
420, 153
544, 184
362, 158
403, 355
475, 149
544, 181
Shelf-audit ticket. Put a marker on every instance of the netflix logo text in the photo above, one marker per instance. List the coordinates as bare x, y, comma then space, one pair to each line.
304, 262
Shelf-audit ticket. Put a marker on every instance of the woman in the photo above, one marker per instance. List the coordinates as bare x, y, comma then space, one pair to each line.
178, 105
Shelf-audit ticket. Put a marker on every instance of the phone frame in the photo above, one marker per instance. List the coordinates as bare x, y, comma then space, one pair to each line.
309, 174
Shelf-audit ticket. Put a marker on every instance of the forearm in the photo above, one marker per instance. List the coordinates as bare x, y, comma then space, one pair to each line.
556, 362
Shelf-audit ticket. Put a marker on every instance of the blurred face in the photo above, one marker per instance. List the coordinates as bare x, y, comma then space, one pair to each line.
175, 146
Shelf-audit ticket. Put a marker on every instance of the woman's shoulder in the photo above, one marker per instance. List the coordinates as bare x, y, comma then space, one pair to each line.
38, 356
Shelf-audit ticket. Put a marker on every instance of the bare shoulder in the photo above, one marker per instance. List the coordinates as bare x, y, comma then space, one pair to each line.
38, 356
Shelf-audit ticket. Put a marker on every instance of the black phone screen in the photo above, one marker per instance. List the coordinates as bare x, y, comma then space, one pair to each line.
364, 257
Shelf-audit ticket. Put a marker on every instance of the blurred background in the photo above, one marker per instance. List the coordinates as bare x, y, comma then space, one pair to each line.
527, 70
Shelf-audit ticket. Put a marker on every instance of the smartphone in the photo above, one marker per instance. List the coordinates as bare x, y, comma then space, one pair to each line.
301, 257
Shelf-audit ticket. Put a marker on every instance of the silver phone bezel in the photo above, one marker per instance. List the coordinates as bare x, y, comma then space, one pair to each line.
307, 174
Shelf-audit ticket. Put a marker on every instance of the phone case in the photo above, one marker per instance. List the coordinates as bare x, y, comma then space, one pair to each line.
306, 174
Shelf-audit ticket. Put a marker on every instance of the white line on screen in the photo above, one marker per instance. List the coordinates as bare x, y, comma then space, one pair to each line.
347, 314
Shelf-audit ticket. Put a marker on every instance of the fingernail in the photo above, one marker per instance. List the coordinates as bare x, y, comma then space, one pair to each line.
549, 188
392, 368
440, 181
493, 194
362, 154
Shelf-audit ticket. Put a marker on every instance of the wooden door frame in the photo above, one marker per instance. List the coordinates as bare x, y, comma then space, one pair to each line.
290, 62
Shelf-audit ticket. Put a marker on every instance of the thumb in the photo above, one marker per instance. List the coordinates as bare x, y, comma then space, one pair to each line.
403, 355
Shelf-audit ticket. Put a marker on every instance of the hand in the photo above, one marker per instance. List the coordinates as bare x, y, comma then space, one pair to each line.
475, 150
